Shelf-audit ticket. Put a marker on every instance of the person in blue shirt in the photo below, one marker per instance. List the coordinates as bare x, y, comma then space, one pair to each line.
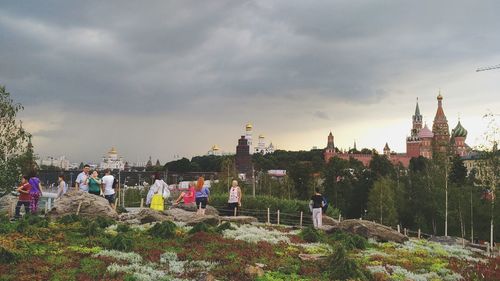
201, 195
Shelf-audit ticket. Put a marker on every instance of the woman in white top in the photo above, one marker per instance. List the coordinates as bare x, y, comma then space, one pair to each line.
158, 186
234, 201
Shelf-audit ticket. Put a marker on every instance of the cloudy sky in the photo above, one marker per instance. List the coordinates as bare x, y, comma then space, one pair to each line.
167, 78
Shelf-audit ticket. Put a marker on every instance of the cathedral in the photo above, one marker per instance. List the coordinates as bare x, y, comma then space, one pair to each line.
421, 142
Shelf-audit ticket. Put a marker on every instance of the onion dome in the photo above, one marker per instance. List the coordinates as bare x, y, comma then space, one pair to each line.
425, 132
439, 97
215, 148
459, 131
248, 127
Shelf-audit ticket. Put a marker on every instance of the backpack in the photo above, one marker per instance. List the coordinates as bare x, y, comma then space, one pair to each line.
325, 205
115, 183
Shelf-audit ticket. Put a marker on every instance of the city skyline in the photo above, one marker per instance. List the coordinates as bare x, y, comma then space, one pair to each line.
165, 79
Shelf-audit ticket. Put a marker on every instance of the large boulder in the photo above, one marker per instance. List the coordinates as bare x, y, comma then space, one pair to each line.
372, 230
329, 221
142, 216
8, 203
240, 219
192, 208
191, 218
92, 206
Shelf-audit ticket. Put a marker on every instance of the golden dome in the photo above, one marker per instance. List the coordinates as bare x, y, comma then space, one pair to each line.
215, 148
249, 127
261, 136
113, 151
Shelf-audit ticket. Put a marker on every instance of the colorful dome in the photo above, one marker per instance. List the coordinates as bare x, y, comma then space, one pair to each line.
459, 131
425, 133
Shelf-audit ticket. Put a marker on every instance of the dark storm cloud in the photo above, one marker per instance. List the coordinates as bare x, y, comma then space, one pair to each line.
263, 60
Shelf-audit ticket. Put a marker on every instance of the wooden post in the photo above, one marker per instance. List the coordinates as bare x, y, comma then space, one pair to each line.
142, 203
301, 214
399, 228
78, 209
12, 209
278, 217
419, 233
268, 216
235, 211
405, 232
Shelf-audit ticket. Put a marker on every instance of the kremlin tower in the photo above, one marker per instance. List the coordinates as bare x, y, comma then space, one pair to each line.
440, 129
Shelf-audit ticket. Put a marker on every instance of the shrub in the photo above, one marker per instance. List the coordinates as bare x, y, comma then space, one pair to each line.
310, 234
165, 229
224, 226
200, 227
37, 221
342, 267
7, 255
121, 242
68, 219
92, 267
350, 241
123, 228
91, 229
104, 222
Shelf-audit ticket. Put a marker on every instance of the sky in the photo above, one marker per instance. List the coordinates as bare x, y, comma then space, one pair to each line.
170, 79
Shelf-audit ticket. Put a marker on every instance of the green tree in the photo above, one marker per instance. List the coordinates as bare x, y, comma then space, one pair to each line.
13, 142
381, 205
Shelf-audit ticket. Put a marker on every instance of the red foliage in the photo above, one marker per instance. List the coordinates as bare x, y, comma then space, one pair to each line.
479, 271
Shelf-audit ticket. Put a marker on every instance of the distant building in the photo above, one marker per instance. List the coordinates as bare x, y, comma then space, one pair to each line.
112, 161
262, 147
277, 173
421, 142
216, 151
243, 158
248, 136
60, 162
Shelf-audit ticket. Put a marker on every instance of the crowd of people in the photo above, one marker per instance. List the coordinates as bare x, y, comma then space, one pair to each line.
197, 194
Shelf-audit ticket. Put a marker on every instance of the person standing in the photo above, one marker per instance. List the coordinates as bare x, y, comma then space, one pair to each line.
201, 195
24, 197
82, 180
62, 187
234, 201
35, 192
95, 183
315, 206
159, 187
109, 192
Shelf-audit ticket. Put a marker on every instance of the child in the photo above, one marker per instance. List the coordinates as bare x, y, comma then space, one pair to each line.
24, 197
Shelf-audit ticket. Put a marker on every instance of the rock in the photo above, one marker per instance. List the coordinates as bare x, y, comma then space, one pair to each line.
254, 271
92, 206
240, 219
312, 257
191, 218
329, 221
8, 204
449, 240
329, 228
192, 208
373, 230
145, 215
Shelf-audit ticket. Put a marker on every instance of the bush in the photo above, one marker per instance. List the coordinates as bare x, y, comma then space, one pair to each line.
104, 222
7, 255
123, 228
121, 242
37, 221
341, 267
69, 219
200, 227
350, 241
92, 267
224, 226
165, 229
310, 234
91, 229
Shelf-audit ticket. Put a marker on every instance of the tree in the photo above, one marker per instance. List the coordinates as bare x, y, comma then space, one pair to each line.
381, 206
13, 142
301, 176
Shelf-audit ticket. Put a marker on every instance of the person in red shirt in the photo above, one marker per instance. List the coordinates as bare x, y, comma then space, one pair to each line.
24, 197
187, 197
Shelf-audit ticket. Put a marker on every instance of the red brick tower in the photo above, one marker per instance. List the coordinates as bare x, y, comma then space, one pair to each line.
243, 158
458, 136
330, 148
440, 129
413, 141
